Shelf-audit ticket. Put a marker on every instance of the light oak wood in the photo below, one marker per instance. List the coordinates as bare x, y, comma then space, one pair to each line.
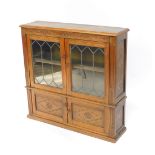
101, 117
86, 114
91, 29
50, 106
79, 130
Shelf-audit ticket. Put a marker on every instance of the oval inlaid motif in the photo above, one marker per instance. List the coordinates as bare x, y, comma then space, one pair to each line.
87, 115
49, 105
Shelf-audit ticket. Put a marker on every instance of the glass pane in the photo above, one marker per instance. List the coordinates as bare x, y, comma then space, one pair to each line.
87, 69
46, 63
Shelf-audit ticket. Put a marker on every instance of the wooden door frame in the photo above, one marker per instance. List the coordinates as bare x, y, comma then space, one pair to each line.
46, 115
106, 71
62, 56
88, 104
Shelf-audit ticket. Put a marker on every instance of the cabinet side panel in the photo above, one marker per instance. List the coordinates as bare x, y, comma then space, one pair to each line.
26, 65
29, 96
120, 65
25, 54
120, 116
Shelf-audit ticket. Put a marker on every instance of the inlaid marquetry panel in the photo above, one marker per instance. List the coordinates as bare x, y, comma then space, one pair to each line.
85, 114
88, 115
49, 105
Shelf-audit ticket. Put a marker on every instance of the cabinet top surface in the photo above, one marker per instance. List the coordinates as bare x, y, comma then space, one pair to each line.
70, 27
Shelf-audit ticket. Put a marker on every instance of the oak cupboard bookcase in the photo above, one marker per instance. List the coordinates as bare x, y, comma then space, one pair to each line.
76, 76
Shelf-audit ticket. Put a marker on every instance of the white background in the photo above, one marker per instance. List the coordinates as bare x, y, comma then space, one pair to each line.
19, 135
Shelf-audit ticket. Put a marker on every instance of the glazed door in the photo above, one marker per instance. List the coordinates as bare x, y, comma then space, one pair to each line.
87, 69
47, 63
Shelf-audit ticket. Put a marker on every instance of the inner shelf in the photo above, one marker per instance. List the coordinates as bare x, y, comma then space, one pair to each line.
77, 66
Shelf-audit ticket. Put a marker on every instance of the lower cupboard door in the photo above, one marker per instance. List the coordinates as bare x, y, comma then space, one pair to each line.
49, 106
86, 115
